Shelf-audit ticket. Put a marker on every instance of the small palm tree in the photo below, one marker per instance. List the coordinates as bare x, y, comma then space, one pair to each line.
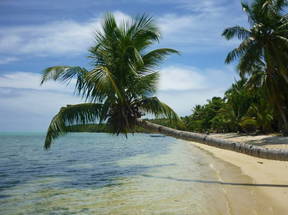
119, 88
263, 52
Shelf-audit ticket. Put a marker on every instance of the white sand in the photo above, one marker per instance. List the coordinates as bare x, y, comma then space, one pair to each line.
261, 171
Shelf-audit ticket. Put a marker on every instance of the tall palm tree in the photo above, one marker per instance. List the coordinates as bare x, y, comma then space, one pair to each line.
264, 46
119, 88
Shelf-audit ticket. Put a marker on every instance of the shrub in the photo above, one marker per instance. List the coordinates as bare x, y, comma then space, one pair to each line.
248, 125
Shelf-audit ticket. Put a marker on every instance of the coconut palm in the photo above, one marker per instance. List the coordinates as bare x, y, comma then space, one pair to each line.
273, 89
264, 45
239, 99
119, 88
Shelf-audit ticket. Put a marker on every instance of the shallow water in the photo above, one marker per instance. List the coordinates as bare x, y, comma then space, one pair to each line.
89, 173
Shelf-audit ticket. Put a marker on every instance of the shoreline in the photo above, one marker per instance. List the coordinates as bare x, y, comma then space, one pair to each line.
270, 177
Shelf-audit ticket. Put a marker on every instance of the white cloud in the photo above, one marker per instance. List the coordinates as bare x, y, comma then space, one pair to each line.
183, 78
179, 78
184, 87
197, 29
31, 109
197, 32
209, 6
7, 60
191, 32
62, 37
29, 80
183, 101
36, 102
201, 28
22, 99
25, 105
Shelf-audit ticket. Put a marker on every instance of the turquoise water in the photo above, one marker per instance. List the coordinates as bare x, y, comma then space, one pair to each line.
87, 173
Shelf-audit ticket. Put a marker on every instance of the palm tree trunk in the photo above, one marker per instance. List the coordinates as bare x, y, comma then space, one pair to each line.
285, 124
256, 151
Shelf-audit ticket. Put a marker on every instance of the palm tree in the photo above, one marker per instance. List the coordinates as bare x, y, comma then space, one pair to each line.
264, 45
239, 99
119, 88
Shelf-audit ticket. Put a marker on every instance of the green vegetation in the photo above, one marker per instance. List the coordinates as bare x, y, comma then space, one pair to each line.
263, 55
240, 110
99, 128
104, 128
119, 87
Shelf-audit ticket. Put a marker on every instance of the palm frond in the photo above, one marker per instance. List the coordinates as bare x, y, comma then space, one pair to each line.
276, 6
101, 83
144, 31
154, 57
62, 73
238, 52
236, 31
71, 115
154, 106
284, 40
109, 25
246, 8
122, 75
144, 85
250, 59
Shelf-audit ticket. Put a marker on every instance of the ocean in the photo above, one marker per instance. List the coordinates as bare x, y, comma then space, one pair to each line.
97, 173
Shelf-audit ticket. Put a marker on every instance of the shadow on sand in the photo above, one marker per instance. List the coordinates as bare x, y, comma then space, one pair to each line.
217, 182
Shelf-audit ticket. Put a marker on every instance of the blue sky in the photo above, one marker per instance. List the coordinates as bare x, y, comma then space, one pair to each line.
36, 34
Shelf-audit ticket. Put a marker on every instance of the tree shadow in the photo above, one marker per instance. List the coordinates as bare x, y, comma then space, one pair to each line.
269, 140
217, 182
275, 140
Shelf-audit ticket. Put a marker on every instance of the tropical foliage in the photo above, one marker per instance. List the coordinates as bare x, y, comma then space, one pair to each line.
120, 85
240, 110
263, 53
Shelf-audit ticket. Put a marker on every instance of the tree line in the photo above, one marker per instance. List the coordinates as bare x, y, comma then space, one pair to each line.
119, 87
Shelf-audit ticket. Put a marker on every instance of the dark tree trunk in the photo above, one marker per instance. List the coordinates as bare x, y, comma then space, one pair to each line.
256, 151
284, 121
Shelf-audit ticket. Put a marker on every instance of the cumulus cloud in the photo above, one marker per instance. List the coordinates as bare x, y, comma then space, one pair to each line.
22, 98
184, 87
62, 37
181, 78
192, 32
184, 101
197, 29
25, 105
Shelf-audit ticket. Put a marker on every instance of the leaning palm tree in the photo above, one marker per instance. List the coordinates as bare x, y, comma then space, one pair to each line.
119, 89
264, 51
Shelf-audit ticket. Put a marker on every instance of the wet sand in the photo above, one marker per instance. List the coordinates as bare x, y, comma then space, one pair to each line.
269, 177
211, 187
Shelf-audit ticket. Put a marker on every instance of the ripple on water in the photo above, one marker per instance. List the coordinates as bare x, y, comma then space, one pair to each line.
104, 174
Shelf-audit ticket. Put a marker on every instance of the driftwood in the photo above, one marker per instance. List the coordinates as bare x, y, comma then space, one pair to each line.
256, 151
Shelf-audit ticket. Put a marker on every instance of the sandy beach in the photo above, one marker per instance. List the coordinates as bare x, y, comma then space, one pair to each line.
270, 177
